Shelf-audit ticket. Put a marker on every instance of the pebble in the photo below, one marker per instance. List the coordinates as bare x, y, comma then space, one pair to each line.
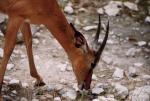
23, 99
100, 11
1, 52
50, 88
88, 28
107, 60
112, 9
94, 77
68, 9
147, 19
132, 71
97, 91
146, 77
118, 74
70, 94
57, 99
10, 66
25, 85
122, 91
95, 100
141, 43
36, 41
138, 64
14, 81
102, 98
141, 94
131, 6
35, 100
131, 52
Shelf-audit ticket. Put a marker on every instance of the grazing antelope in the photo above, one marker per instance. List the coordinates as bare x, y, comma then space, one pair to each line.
47, 12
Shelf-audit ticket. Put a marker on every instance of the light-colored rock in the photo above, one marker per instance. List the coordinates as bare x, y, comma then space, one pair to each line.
50, 88
95, 100
70, 95
14, 81
147, 19
10, 66
122, 91
118, 74
113, 8
107, 60
91, 27
131, 52
97, 90
131, 6
35, 41
100, 11
102, 98
141, 43
141, 94
68, 9
35, 100
1, 52
94, 77
25, 85
57, 99
23, 99
145, 77
132, 71
138, 64
75, 86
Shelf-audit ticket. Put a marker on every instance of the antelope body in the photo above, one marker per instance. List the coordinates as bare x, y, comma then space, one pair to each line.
47, 12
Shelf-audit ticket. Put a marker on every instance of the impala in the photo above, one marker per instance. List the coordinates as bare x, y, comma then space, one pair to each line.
47, 12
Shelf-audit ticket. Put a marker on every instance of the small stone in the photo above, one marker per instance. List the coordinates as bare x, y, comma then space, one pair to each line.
97, 91
75, 86
94, 77
102, 98
35, 100
107, 60
122, 91
70, 94
57, 99
147, 19
131, 6
7, 78
36, 41
100, 11
23, 99
68, 9
88, 28
1, 52
118, 74
49, 96
141, 94
14, 81
50, 88
146, 77
138, 64
141, 43
132, 71
10, 66
25, 85
131, 52
14, 92
43, 98
113, 8
95, 100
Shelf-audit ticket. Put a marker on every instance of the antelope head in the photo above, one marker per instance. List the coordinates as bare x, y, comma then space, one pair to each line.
84, 63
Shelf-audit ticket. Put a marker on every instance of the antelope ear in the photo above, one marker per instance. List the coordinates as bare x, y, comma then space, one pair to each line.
79, 38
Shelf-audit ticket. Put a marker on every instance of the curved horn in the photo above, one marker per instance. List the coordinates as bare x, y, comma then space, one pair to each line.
98, 31
100, 50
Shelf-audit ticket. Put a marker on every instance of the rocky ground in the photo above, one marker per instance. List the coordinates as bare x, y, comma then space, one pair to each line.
123, 73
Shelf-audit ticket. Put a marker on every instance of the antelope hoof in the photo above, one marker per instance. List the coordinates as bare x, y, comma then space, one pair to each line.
39, 83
